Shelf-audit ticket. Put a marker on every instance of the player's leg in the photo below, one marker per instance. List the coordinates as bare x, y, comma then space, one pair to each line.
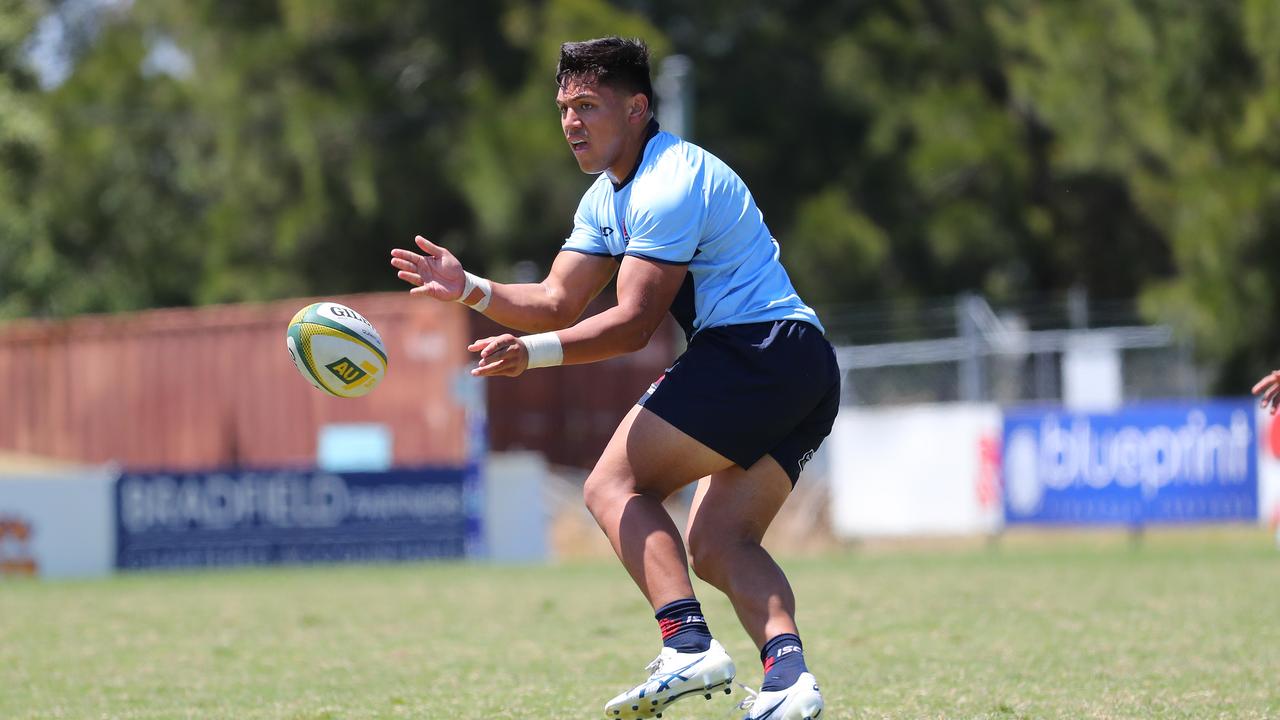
703, 417
731, 511
646, 460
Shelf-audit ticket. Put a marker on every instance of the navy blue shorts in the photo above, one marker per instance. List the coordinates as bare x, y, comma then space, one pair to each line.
750, 390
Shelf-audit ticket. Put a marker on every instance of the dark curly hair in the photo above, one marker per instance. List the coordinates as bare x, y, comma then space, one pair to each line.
621, 63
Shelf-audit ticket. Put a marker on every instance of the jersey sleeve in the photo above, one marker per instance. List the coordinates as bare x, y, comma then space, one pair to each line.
666, 221
586, 236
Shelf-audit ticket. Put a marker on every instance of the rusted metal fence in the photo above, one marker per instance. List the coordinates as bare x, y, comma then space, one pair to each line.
200, 388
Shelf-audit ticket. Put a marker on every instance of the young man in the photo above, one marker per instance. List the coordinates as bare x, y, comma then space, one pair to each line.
740, 412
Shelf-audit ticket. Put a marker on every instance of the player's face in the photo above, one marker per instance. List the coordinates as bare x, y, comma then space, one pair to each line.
594, 120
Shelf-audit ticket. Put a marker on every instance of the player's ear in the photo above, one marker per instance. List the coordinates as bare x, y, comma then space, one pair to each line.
639, 106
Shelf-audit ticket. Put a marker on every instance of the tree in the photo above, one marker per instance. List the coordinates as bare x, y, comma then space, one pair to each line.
224, 150
24, 142
1167, 100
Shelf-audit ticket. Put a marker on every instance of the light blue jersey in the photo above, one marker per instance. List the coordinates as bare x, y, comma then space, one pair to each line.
682, 205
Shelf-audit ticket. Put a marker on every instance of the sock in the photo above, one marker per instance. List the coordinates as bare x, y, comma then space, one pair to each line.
683, 626
783, 659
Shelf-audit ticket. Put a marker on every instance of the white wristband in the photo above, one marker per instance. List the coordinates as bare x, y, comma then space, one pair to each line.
473, 283
544, 349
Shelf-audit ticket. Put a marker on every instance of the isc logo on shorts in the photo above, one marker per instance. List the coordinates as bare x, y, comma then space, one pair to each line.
654, 387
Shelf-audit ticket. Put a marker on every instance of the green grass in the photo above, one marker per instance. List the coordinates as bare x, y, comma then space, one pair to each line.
1186, 625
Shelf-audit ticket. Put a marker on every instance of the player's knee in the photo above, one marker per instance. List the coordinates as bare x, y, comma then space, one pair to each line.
702, 567
714, 553
707, 557
602, 491
594, 493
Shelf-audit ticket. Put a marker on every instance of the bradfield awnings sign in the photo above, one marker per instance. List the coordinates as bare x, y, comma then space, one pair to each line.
241, 517
1157, 463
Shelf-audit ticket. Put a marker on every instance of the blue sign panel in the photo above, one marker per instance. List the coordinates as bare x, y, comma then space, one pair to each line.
254, 517
1150, 463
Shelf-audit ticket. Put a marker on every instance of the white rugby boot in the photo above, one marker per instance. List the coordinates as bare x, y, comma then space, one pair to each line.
801, 701
674, 675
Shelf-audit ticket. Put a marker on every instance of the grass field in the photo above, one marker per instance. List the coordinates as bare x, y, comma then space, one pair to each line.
1184, 625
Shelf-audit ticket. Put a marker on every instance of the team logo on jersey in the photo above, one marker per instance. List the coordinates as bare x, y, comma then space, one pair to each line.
606, 231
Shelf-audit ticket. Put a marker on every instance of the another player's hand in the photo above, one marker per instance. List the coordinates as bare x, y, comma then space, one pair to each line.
500, 355
1269, 388
436, 273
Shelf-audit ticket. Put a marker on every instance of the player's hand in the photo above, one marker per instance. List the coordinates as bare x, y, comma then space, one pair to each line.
1269, 388
502, 355
435, 273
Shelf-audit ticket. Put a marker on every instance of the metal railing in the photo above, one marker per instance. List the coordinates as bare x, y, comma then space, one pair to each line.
996, 357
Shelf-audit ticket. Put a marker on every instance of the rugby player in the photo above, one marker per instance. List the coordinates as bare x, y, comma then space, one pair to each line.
740, 412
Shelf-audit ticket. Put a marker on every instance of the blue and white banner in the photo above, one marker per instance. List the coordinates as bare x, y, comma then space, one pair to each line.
1149, 463
254, 517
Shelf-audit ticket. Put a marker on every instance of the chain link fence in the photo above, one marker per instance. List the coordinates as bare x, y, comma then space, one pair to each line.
966, 350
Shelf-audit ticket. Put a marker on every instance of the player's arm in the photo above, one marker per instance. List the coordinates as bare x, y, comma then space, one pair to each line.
556, 302
1269, 388
646, 289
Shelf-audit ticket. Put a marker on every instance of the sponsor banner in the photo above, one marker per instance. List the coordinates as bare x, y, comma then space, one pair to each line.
1148, 463
915, 470
57, 524
255, 517
516, 517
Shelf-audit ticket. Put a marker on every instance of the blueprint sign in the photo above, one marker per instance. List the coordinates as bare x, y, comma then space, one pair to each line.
1156, 463
242, 518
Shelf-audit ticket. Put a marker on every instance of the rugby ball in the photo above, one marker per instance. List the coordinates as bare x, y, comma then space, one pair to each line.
336, 349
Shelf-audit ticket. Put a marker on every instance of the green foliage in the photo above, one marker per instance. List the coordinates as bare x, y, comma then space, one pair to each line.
24, 139
843, 249
511, 163
900, 149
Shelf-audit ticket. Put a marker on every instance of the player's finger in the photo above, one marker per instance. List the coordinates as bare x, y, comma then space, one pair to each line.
1264, 382
410, 277
490, 365
428, 247
406, 255
1271, 395
497, 347
402, 264
479, 344
500, 367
